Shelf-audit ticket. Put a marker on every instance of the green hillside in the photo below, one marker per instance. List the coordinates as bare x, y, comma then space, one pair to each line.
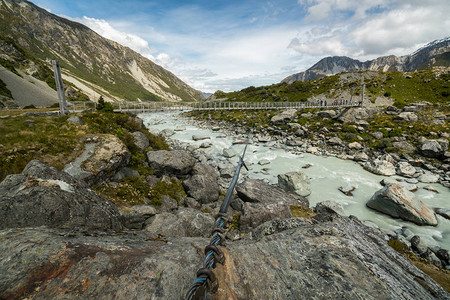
30, 37
426, 85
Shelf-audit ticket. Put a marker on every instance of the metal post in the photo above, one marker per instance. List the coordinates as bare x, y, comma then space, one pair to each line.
362, 96
59, 88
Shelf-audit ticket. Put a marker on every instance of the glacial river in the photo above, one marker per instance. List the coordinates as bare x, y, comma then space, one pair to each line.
327, 174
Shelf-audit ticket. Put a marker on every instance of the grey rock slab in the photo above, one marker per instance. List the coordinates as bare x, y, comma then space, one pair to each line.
405, 169
43, 195
100, 161
398, 202
264, 162
295, 182
380, 167
75, 120
404, 145
347, 189
329, 206
255, 190
167, 132
361, 156
229, 153
125, 173
197, 137
185, 222
204, 188
283, 117
434, 148
428, 177
355, 145
406, 116
445, 212
180, 128
327, 114
175, 162
341, 257
141, 140
335, 141
135, 217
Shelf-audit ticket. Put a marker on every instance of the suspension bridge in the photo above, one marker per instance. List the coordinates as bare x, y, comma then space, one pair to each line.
147, 107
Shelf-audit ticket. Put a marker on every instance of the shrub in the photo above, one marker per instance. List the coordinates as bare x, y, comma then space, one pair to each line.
104, 106
387, 94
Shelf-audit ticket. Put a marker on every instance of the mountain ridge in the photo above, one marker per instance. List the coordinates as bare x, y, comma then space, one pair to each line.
105, 66
422, 58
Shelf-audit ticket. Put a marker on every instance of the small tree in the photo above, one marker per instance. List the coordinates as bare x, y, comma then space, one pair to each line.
104, 106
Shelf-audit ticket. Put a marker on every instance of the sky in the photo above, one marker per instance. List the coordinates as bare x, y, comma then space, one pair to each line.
232, 44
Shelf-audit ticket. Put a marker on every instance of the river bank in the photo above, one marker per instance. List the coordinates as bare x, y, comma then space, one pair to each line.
268, 156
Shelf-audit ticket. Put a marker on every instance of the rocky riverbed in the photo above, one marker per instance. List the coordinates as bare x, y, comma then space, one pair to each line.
82, 245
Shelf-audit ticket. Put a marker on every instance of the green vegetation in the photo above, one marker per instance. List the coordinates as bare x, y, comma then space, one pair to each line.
250, 118
299, 211
104, 106
440, 275
9, 66
235, 224
45, 74
135, 190
424, 85
282, 92
53, 140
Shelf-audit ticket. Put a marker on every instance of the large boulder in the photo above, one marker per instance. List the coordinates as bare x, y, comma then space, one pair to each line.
102, 158
175, 162
327, 114
284, 117
203, 185
405, 169
43, 195
398, 202
295, 182
135, 217
185, 222
258, 191
141, 140
407, 116
404, 146
290, 259
264, 202
329, 207
381, 166
434, 148
352, 115
257, 213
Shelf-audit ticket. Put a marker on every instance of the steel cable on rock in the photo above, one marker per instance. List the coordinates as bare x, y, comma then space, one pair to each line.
205, 276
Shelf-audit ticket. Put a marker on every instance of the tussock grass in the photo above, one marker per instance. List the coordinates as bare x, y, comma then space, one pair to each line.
53, 140
440, 275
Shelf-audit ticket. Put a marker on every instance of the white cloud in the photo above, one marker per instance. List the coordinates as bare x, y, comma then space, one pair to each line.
398, 29
321, 9
402, 30
221, 51
320, 47
105, 29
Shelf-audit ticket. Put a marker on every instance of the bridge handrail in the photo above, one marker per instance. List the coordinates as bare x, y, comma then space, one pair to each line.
140, 107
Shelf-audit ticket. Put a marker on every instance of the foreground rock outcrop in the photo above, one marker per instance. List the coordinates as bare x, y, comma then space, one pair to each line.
320, 258
104, 155
43, 195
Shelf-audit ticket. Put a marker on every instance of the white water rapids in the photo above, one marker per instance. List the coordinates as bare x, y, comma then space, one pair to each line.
327, 174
